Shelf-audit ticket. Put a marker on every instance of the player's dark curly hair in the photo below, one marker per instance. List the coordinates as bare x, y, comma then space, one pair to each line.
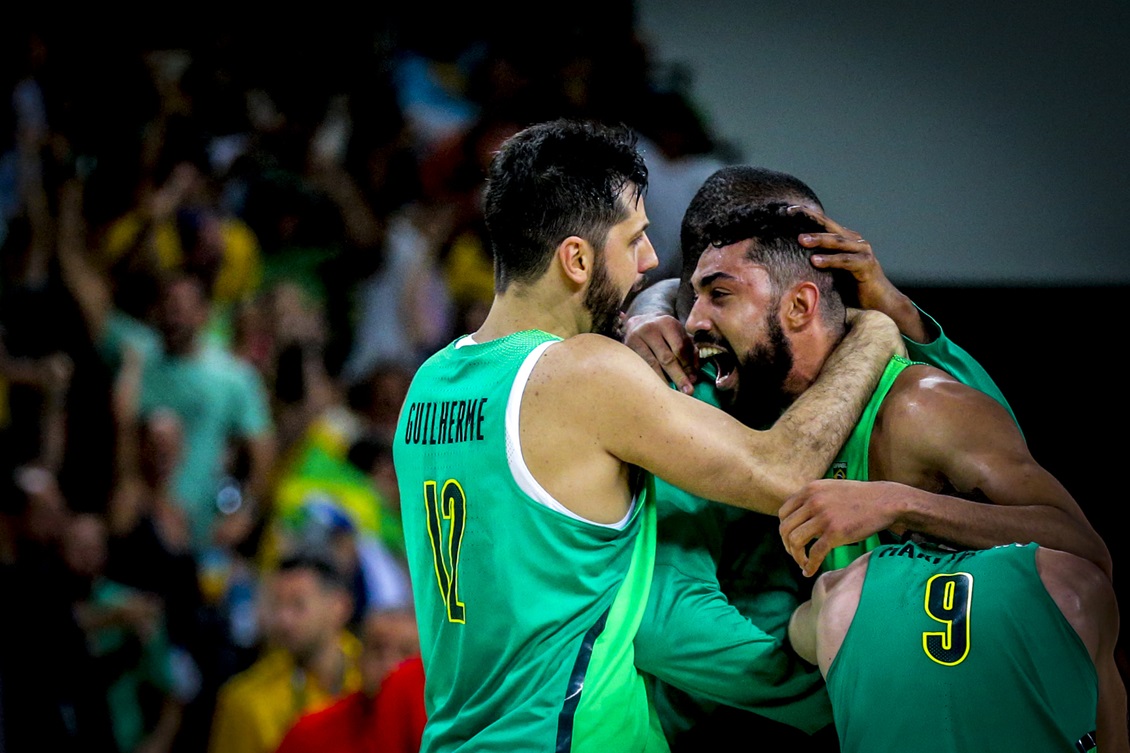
728, 188
774, 232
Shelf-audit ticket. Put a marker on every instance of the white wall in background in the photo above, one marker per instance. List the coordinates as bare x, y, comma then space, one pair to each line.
974, 143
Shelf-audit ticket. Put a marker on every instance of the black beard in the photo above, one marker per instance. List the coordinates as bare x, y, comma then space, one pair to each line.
603, 302
761, 397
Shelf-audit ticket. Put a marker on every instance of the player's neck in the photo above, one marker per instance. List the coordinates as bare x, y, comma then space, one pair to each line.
522, 308
810, 349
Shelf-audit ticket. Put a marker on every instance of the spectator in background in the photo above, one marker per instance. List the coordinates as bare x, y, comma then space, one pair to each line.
219, 397
378, 574
378, 396
180, 225
237, 168
386, 715
372, 453
52, 696
150, 545
126, 632
310, 658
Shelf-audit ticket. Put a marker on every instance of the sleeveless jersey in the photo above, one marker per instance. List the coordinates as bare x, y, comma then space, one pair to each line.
851, 463
526, 613
937, 635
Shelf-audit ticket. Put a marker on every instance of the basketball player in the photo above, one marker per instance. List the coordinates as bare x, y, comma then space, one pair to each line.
1003, 649
525, 452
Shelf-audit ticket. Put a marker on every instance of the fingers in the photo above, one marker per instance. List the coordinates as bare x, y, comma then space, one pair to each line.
845, 244
837, 237
833, 227
663, 343
678, 358
816, 554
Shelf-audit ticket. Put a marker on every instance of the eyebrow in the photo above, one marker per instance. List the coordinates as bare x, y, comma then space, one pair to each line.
713, 277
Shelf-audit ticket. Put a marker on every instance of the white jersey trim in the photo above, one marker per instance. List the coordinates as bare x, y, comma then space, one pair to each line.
517, 461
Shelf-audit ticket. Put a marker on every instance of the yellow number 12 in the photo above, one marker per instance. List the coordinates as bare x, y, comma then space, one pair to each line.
450, 505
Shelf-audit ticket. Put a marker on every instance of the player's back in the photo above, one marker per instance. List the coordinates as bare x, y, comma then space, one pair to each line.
960, 651
525, 612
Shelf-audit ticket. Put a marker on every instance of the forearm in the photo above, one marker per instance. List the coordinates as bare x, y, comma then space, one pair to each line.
360, 223
89, 288
906, 316
693, 639
165, 731
982, 525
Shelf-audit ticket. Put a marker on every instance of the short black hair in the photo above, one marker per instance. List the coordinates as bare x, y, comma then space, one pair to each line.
319, 563
729, 188
776, 247
552, 180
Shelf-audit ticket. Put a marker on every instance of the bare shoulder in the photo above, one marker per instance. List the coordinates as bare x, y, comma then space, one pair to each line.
1060, 569
925, 400
924, 387
832, 584
590, 356
1083, 593
836, 597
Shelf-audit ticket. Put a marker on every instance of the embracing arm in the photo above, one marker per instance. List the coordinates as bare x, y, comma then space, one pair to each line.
693, 638
970, 478
641, 421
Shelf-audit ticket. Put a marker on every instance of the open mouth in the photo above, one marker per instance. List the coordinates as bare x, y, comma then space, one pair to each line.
725, 365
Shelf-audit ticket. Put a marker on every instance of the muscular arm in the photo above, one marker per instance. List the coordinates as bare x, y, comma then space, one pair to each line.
975, 483
596, 401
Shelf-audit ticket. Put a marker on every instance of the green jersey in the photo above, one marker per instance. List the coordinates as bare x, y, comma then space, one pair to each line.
526, 611
938, 634
721, 566
717, 616
852, 461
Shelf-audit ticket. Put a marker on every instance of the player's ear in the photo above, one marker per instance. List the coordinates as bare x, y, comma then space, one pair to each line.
799, 305
576, 257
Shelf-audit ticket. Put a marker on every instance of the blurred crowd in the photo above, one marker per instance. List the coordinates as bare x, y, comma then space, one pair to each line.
224, 252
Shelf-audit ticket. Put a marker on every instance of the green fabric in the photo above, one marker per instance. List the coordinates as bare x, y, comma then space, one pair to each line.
852, 461
601, 724
151, 670
217, 398
715, 626
301, 265
938, 635
510, 594
698, 572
